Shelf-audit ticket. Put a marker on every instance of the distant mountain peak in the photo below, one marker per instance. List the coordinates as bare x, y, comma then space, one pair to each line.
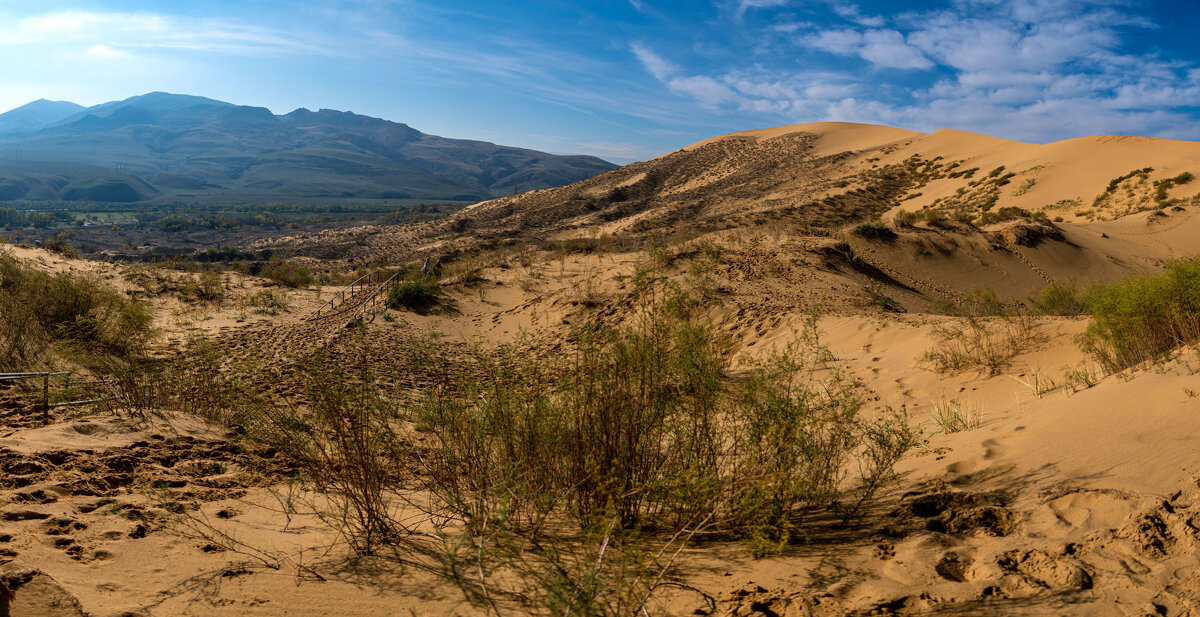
178, 145
36, 115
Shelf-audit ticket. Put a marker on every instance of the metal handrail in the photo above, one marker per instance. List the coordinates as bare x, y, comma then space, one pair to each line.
45, 376
8, 376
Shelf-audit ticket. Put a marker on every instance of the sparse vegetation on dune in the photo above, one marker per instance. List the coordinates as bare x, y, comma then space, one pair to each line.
987, 335
641, 432
874, 231
77, 314
571, 482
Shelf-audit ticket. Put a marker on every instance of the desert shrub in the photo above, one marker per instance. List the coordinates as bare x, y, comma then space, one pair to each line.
345, 447
201, 385
267, 302
906, 218
1116, 182
934, 217
133, 388
286, 274
1162, 186
1058, 298
417, 292
979, 343
647, 425
874, 231
1007, 213
38, 309
207, 287
1079, 378
1140, 319
953, 416
58, 245
641, 431
979, 302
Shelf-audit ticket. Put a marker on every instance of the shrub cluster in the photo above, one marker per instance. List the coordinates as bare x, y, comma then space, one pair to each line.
1139, 319
287, 274
1162, 186
874, 231
570, 482
417, 292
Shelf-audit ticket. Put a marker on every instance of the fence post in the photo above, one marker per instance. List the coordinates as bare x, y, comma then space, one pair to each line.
45, 399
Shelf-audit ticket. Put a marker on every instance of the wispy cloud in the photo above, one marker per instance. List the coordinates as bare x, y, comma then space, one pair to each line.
654, 63
118, 31
745, 5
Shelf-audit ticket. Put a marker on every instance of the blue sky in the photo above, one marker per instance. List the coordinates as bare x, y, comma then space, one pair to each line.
631, 79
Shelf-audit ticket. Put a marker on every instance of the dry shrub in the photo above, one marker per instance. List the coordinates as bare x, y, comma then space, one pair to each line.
344, 445
570, 484
577, 480
985, 344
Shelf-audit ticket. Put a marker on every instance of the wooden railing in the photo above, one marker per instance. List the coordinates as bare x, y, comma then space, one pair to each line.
377, 296
339, 299
349, 300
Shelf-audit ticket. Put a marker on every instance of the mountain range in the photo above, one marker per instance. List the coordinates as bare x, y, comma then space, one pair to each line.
162, 147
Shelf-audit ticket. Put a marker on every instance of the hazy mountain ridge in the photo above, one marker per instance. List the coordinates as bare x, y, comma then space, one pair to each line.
36, 115
172, 146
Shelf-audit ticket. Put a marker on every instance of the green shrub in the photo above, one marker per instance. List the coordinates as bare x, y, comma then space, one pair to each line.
874, 231
1058, 298
287, 274
647, 426
641, 430
1162, 186
1116, 182
416, 293
266, 302
1140, 319
58, 245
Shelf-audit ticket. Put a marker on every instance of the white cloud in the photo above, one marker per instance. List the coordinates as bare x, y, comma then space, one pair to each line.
660, 68
105, 53
1035, 70
882, 48
851, 12
706, 90
746, 5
